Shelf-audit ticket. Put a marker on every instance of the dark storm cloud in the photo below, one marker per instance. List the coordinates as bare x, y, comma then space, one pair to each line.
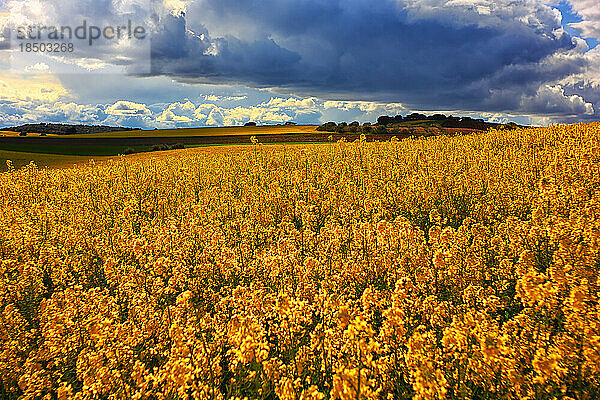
179, 52
427, 54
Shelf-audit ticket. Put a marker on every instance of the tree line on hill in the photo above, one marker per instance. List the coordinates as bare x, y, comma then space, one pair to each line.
64, 129
386, 124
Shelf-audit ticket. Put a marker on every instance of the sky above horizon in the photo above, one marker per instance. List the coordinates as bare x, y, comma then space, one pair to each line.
228, 62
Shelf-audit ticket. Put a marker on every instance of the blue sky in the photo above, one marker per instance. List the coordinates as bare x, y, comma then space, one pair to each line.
227, 62
570, 16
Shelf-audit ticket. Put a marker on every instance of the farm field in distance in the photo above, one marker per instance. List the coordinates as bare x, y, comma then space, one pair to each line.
64, 150
20, 159
57, 150
225, 131
426, 268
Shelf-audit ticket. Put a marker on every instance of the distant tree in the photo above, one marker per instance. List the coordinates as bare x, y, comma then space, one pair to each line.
354, 127
165, 147
250, 124
341, 127
398, 118
290, 123
23, 134
71, 130
415, 117
380, 129
328, 127
437, 117
384, 120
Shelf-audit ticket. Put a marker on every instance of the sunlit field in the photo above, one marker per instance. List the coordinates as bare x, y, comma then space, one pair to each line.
223, 131
58, 151
20, 159
450, 267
